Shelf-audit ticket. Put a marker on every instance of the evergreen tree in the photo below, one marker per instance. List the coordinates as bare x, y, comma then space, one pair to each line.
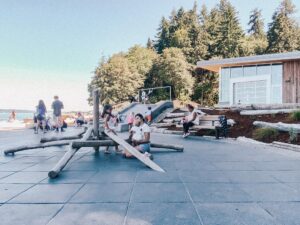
282, 34
211, 26
256, 24
163, 36
256, 42
230, 33
150, 44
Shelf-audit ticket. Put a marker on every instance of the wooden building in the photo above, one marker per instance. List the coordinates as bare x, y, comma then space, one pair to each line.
262, 79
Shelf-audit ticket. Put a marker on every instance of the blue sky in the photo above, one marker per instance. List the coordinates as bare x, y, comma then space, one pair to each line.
48, 47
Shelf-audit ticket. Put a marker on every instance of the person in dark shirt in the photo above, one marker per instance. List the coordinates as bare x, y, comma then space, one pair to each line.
57, 106
41, 116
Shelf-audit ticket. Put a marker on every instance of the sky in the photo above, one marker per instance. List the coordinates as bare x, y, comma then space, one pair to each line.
52, 47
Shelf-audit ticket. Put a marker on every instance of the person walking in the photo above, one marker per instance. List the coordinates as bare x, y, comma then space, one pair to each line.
41, 116
57, 106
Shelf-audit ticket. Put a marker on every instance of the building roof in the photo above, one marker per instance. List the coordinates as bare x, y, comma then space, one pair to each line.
215, 65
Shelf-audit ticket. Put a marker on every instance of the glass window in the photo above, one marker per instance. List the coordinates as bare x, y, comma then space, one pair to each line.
277, 74
224, 84
263, 69
236, 72
249, 71
276, 83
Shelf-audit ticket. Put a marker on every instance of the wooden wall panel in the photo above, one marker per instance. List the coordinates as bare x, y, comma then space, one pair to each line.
291, 82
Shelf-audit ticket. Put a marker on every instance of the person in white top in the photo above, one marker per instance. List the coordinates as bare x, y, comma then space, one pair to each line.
140, 137
191, 120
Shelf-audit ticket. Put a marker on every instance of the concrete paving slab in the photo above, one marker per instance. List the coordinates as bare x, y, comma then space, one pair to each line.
277, 165
217, 192
91, 214
5, 174
113, 177
270, 192
47, 193
287, 213
162, 213
159, 192
32, 159
8, 191
40, 167
194, 165
250, 177
70, 177
25, 177
28, 214
15, 167
286, 176
105, 193
154, 177
233, 166
234, 213
203, 176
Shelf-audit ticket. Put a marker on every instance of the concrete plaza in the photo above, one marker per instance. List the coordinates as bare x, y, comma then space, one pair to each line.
211, 182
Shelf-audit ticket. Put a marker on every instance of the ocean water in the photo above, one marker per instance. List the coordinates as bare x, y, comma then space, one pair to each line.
19, 116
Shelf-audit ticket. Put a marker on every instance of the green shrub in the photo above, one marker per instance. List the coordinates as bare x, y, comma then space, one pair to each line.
295, 115
265, 134
293, 138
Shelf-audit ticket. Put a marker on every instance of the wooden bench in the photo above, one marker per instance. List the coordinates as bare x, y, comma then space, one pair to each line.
209, 122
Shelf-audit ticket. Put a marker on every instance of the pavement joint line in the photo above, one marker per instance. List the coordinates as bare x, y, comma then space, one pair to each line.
130, 198
66, 202
24, 190
191, 199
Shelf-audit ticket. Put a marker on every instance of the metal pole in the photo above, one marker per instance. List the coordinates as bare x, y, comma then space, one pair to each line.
170, 93
96, 113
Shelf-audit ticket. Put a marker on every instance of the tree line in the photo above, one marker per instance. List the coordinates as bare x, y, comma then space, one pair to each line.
188, 36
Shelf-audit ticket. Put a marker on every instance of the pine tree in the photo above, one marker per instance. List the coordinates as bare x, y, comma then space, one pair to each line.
150, 44
255, 43
230, 33
211, 26
282, 34
256, 24
163, 36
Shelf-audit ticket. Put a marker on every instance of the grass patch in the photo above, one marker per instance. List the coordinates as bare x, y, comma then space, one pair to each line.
295, 116
265, 134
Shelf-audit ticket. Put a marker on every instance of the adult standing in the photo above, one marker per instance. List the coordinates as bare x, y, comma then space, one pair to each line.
41, 116
57, 106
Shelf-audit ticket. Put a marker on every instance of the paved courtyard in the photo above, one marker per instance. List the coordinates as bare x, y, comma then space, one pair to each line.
211, 182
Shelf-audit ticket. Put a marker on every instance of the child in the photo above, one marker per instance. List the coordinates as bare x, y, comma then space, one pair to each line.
148, 115
110, 123
130, 119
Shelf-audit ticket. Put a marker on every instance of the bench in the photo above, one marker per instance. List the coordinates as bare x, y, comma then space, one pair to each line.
210, 122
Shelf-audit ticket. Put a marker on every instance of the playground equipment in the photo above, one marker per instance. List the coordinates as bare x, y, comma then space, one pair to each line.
92, 136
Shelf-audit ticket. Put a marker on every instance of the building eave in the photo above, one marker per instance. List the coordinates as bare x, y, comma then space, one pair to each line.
217, 64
